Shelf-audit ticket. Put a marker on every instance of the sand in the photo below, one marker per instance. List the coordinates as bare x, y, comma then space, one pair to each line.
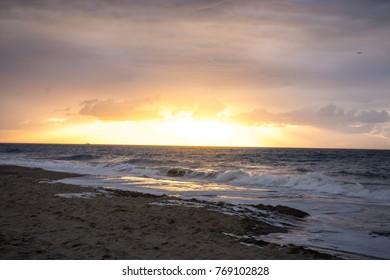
42, 219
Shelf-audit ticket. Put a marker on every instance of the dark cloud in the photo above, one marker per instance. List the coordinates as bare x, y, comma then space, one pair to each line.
118, 9
297, 13
298, 43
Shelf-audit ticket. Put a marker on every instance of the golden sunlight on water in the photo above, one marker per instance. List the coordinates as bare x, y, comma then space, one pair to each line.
177, 185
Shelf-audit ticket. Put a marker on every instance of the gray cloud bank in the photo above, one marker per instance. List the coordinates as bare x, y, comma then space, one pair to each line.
330, 117
299, 44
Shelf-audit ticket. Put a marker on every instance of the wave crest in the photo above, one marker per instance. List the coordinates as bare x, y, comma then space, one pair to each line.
79, 157
313, 181
190, 173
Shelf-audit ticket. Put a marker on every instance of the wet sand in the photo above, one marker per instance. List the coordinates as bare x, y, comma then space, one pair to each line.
42, 219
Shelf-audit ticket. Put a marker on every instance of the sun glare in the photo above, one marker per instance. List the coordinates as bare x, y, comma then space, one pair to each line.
178, 130
198, 132
175, 131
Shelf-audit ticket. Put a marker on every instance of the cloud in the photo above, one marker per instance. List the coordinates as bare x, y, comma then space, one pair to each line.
331, 117
353, 116
259, 116
120, 110
263, 51
208, 109
338, 115
300, 44
150, 108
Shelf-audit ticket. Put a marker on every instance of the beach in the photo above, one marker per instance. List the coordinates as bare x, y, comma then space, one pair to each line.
44, 219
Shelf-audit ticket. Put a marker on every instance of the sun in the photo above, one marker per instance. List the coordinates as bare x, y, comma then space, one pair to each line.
198, 132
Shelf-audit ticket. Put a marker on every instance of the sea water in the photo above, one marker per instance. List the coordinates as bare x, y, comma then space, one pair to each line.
346, 192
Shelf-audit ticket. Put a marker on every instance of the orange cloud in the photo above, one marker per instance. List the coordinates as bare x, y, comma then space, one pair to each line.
115, 110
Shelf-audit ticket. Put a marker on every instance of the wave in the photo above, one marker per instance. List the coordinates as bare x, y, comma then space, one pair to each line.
313, 181
176, 172
13, 150
186, 172
383, 173
79, 157
146, 161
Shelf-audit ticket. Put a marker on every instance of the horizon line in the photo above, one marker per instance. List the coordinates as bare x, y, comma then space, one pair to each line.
194, 146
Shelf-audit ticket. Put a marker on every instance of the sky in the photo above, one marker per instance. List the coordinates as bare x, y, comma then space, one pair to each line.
278, 73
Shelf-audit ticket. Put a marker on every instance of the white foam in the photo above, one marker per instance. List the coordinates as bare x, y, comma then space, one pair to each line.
233, 175
314, 181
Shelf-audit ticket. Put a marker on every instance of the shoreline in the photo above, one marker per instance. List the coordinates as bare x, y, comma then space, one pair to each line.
42, 219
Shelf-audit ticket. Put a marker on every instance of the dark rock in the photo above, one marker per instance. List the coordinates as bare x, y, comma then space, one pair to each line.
132, 194
285, 210
291, 211
380, 233
259, 243
176, 172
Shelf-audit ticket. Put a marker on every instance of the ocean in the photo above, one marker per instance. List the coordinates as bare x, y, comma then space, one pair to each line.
346, 192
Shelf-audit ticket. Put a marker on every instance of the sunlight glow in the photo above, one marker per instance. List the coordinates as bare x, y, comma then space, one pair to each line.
177, 130
198, 131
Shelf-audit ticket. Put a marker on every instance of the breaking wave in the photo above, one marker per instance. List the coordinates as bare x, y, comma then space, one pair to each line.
185, 172
79, 157
313, 181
